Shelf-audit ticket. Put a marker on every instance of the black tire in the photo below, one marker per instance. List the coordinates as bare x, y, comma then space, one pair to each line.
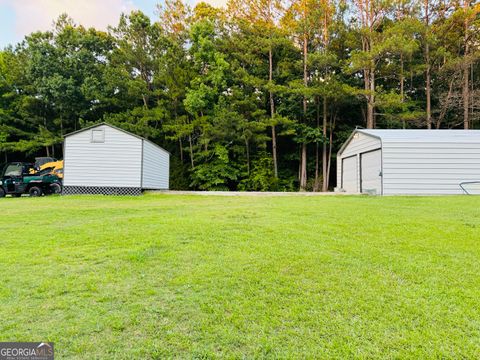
35, 191
2, 193
55, 188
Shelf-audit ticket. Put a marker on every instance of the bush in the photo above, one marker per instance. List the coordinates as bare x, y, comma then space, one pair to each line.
261, 176
215, 171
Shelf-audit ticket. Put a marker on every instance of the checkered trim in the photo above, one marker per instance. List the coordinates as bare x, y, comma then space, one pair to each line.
101, 190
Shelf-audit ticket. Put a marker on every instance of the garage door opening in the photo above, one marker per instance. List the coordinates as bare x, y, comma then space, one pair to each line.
371, 172
350, 174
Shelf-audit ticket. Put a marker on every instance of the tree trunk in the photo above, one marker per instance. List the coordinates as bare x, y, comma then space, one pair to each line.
428, 91
369, 22
248, 155
272, 113
330, 146
445, 104
316, 186
181, 148
191, 150
427, 69
145, 103
472, 95
180, 142
303, 158
402, 79
371, 101
466, 70
369, 87
466, 98
303, 168
274, 151
402, 85
324, 148
368, 73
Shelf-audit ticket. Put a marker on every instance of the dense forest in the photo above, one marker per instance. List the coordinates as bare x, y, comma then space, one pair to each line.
258, 95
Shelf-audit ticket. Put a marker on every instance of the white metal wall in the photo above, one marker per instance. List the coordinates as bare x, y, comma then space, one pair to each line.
115, 162
429, 167
359, 143
156, 167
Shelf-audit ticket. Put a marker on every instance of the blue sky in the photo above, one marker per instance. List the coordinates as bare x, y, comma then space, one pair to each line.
20, 17
7, 22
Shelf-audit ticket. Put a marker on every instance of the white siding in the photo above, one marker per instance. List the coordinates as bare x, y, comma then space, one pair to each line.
359, 143
429, 168
156, 167
339, 173
115, 162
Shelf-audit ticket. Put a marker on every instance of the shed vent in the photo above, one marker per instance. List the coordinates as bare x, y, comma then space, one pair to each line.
98, 136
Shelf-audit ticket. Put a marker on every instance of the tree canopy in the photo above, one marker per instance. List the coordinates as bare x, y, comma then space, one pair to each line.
258, 95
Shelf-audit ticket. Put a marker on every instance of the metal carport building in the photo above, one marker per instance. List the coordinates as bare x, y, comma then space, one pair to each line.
409, 162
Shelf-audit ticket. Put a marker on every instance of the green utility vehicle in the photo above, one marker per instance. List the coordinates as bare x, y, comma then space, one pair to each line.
18, 178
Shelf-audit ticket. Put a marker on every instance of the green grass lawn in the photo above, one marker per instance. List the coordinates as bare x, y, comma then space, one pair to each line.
268, 277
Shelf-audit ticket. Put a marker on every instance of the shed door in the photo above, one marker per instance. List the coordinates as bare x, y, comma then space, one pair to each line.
350, 174
371, 172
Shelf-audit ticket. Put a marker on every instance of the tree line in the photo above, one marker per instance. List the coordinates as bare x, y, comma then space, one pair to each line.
258, 95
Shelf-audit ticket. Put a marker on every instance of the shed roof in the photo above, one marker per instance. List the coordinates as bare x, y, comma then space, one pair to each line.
414, 135
117, 128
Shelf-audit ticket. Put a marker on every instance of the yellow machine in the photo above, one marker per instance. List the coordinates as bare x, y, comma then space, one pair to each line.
47, 165
56, 168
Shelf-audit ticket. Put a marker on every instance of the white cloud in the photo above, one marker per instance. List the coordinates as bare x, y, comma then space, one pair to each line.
38, 15
34, 15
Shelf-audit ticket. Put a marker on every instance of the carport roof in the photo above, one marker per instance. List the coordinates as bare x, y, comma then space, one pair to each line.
417, 136
414, 135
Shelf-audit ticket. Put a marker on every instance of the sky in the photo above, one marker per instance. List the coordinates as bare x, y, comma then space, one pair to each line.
21, 17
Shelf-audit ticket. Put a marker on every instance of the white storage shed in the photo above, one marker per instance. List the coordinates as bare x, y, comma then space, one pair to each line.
410, 162
104, 159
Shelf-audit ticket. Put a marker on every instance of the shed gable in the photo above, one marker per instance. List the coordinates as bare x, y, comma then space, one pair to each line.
115, 161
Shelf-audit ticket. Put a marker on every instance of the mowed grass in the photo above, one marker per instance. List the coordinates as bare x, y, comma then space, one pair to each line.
162, 276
